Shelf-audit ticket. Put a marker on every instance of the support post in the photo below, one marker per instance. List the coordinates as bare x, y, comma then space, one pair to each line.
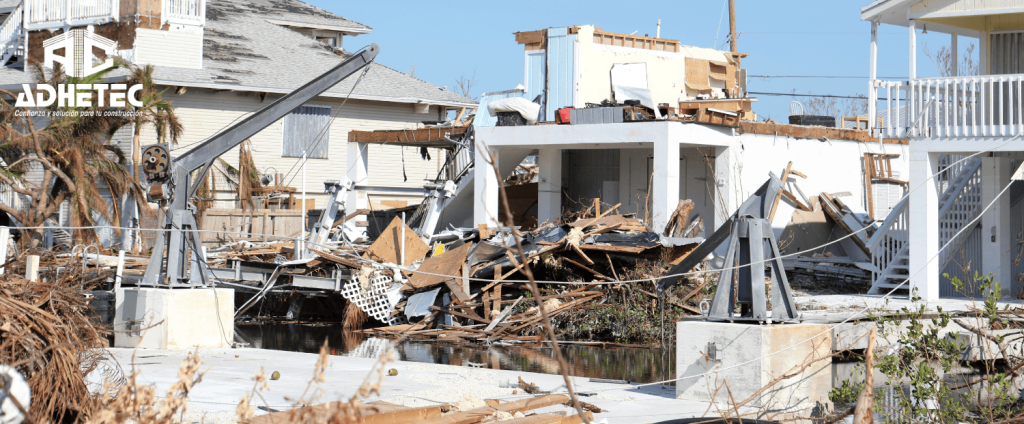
5, 237
913, 51
32, 268
724, 206
983, 53
872, 76
955, 53
358, 169
665, 190
549, 189
120, 271
924, 224
997, 238
485, 189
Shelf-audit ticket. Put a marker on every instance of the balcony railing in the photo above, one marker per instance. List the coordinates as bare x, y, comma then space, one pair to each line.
45, 14
184, 12
973, 106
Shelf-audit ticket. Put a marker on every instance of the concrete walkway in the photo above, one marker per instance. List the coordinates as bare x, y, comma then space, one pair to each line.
230, 373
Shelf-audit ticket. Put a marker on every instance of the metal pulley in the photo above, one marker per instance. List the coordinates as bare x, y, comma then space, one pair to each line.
156, 161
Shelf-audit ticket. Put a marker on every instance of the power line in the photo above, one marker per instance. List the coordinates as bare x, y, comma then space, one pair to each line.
822, 33
806, 95
823, 76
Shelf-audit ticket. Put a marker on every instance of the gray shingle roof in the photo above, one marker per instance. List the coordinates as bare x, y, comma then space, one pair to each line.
284, 10
242, 51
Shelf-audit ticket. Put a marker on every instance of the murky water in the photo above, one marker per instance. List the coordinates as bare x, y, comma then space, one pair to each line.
635, 365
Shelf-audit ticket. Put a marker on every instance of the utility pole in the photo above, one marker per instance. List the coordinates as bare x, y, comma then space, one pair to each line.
732, 29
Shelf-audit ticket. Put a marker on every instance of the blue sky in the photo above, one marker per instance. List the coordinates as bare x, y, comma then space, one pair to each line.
784, 38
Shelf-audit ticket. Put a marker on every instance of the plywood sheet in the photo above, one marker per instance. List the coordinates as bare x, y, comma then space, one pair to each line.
697, 71
448, 267
386, 247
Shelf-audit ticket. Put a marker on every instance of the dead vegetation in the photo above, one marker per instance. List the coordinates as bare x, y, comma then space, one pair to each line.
47, 335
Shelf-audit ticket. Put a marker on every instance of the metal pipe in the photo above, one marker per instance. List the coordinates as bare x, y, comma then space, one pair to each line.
401, 251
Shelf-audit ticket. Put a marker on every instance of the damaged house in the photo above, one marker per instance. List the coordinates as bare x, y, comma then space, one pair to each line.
220, 60
966, 129
646, 123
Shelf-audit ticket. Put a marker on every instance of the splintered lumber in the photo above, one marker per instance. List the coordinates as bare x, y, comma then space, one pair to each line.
475, 415
371, 413
387, 247
778, 196
833, 211
447, 267
353, 263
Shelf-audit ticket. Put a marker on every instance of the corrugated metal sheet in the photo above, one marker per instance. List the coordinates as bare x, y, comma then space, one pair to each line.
963, 264
303, 129
561, 70
483, 117
585, 174
536, 72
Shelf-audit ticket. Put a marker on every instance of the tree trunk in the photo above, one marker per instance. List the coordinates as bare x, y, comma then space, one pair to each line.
137, 154
864, 412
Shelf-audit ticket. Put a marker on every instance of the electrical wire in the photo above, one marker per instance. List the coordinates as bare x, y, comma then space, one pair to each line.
806, 95
823, 76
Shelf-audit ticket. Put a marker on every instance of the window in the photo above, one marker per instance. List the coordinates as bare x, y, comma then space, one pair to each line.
305, 130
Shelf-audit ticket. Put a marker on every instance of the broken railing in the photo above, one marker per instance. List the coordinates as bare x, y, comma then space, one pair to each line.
972, 106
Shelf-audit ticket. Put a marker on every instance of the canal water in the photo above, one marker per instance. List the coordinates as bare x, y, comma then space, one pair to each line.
631, 364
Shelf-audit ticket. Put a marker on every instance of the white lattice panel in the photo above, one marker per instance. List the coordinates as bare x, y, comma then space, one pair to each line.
379, 300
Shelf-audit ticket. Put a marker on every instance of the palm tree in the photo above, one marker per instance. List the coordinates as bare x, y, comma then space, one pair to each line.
76, 155
154, 111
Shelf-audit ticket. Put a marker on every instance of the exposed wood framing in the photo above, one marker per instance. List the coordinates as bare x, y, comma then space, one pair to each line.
797, 131
423, 137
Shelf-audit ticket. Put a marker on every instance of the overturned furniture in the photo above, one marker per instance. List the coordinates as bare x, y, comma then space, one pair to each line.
751, 246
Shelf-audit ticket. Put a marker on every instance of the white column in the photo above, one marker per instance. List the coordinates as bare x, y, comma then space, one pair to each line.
724, 206
955, 53
983, 53
485, 189
665, 187
358, 169
913, 51
549, 189
996, 236
924, 224
872, 76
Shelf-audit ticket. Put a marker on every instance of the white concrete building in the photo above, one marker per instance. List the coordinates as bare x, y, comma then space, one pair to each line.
649, 166
938, 230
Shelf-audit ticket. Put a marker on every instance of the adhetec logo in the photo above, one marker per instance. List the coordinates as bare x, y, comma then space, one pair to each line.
78, 45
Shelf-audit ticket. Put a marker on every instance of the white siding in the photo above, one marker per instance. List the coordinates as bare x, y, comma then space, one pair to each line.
205, 112
173, 49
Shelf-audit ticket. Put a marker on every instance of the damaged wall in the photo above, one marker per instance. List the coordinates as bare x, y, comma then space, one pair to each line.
205, 112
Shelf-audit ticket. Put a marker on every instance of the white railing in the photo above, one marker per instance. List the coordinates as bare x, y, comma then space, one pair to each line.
12, 35
187, 12
958, 205
973, 106
46, 14
891, 241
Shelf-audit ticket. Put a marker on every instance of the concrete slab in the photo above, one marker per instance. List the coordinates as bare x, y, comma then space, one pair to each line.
230, 373
740, 360
174, 319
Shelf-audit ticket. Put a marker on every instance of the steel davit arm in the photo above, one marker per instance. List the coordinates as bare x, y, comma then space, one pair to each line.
204, 154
